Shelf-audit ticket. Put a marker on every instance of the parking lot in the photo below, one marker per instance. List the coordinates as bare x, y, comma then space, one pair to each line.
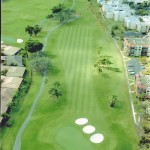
134, 67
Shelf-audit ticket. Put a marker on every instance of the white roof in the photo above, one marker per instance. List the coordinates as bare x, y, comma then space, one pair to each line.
11, 82
133, 19
14, 71
9, 50
146, 19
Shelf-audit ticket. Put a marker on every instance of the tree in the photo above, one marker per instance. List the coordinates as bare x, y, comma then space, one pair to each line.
142, 96
33, 46
64, 15
117, 30
41, 65
58, 8
141, 12
10, 106
61, 13
29, 29
146, 130
103, 61
5, 116
144, 140
49, 17
113, 101
55, 90
4, 72
37, 29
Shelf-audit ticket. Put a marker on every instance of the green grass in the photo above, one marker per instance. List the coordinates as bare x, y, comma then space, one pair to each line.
72, 49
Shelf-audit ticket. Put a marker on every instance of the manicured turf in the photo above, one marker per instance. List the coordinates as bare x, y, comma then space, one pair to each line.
72, 48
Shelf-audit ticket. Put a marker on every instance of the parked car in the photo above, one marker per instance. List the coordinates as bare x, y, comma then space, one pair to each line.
130, 70
142, 67
130, 65
132, 73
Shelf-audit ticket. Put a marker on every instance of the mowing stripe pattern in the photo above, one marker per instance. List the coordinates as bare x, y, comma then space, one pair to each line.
75, 47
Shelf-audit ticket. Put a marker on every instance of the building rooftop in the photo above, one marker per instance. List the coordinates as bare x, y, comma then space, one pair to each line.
133, 19
13, 71
7, 95
11, 82
9, 50
138, 41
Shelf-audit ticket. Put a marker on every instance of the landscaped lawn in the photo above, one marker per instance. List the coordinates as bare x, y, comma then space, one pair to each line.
72, 49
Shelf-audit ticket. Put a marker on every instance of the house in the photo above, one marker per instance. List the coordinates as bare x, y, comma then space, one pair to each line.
116, 10
142, 84
108, 11
6, 97
137, 46
9, 87
9, 50
11, 82
120, 14
13, 71
141, 24
12, 60
144, 25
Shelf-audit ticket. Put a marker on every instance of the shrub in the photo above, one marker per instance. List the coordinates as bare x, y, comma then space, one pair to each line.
146, 130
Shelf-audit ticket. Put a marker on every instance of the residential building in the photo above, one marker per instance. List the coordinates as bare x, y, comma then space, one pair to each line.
13, 71
9, 50
116, 10
12, 60
107, 9
143, 27
131, 22
141, 24
137, 46
142, 84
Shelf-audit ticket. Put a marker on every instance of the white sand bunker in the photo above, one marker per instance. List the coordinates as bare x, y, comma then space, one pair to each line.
19, 40
97, 138
2, 42
88, 129
81, 121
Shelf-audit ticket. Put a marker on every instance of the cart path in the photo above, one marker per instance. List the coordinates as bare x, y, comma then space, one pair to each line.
17, 144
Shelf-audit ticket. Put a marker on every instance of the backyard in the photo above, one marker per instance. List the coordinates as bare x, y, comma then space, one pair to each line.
86, 93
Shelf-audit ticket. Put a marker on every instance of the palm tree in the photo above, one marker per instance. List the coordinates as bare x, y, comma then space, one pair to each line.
37, 29
55, 91
49, 17
29, 29
113, 101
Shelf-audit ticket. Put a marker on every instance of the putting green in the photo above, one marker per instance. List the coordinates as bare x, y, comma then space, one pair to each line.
72, 139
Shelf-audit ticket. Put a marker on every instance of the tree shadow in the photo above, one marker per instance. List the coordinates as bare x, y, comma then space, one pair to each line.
50, 55
120, 105
113, 69
54, 70
105, 75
